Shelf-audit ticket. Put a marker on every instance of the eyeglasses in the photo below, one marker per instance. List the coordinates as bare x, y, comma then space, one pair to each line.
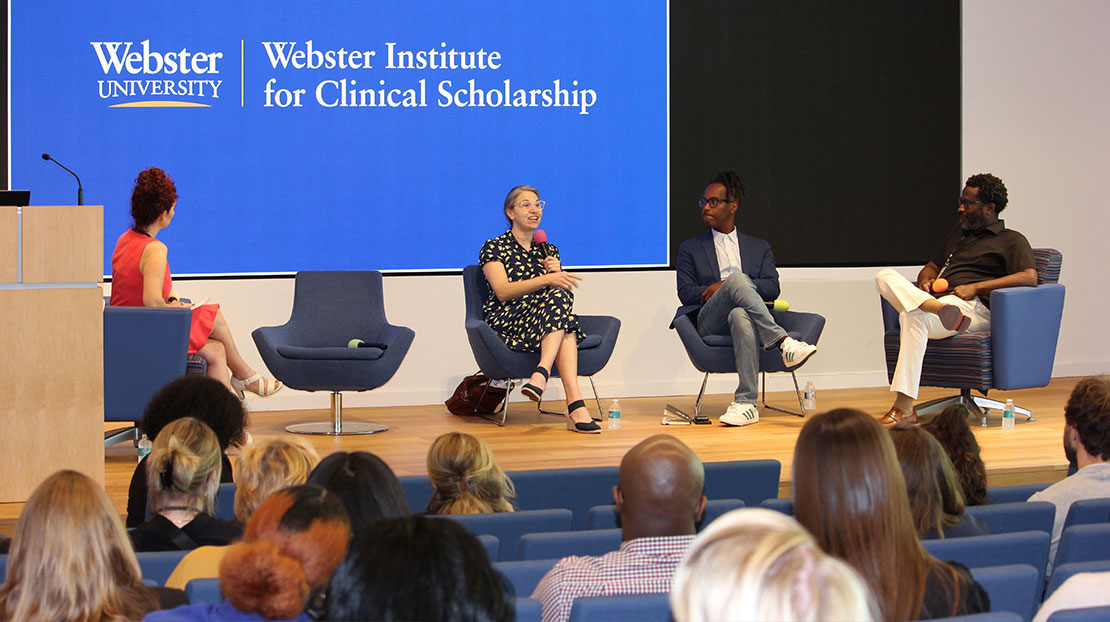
712, 202
529, 205
966, 203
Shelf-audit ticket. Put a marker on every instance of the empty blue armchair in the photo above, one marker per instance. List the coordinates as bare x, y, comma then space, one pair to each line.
1017, 353
310, 353
713, 353
497, 361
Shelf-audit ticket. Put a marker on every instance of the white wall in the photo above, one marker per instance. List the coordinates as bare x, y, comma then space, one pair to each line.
1035, 98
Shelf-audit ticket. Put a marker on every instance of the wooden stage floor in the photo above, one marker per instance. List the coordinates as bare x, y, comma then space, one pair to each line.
1030, 453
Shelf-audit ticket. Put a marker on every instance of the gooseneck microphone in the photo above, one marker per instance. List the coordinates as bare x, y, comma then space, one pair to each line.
80, 190
539, 237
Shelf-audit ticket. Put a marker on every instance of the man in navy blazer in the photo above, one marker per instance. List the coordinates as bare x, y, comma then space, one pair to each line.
726, 278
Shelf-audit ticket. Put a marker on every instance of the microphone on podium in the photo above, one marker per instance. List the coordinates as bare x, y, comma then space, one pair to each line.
80, 190
539, 236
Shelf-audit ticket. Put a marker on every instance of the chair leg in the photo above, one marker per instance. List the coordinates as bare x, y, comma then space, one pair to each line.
701, 395
986, 403
502, 408
336, 427
979, 406
601, 412
797, 393
119, 435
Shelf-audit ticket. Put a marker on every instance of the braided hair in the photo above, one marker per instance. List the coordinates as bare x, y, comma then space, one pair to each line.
734, 188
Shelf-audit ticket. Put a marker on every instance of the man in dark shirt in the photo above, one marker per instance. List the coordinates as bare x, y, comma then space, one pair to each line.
952, 293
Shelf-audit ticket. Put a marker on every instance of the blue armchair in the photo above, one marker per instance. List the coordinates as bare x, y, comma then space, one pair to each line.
713, 353
496, 360
310, 353
1017, 353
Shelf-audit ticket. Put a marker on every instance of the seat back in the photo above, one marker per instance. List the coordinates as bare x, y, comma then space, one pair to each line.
990, 616
750, 481
331, 307
144, 349
1010, 494
491, 545
786, 506
639, 607
1088, 512
1063, 572
577, 490
225, 502
475, 291
203, 591
525, 575
1089, 614
527, 610
508, 527
1011, 588
561, 544
159, 565
1026, 547
606, 517
1048, 262
418, 491
1014, 517
1084, 543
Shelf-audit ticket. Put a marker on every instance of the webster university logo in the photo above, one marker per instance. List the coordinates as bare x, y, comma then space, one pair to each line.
139, 76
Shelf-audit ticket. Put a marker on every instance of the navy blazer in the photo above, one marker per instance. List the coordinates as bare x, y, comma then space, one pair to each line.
697, 269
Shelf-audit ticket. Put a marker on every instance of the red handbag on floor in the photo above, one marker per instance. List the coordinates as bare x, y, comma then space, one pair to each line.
477, 395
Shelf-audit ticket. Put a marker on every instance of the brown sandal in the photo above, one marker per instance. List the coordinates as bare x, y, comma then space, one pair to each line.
894, 416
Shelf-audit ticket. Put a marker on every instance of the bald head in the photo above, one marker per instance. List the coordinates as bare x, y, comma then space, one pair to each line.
660, 489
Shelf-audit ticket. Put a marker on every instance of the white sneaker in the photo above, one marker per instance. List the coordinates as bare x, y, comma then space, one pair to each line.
740, 414
795, 352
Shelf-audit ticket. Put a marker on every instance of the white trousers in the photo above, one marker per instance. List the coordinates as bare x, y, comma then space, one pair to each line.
918, 326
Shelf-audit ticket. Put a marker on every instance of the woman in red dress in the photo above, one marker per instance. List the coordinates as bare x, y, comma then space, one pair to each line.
141, 278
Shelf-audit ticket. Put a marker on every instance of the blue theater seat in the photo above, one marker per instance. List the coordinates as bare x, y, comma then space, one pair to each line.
1012, 588
605, 516
1014, 517
159, 565
508, 527
524, 576
562, 544
1026, 547
1012, 494
203, 591
638, 607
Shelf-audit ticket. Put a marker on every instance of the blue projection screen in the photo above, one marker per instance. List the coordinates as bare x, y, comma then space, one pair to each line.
350, 135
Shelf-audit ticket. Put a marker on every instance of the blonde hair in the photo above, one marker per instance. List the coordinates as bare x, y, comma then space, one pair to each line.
185, 460
757, 564
466, 477
265, 468
71, 558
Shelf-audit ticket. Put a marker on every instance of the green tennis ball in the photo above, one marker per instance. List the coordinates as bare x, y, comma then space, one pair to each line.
354, 343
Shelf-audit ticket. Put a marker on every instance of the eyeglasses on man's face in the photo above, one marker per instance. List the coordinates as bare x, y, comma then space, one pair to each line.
712, 202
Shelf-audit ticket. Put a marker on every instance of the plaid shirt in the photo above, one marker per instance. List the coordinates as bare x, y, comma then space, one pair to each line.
640, 566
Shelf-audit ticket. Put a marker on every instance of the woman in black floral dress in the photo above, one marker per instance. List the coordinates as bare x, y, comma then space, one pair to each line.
530, 303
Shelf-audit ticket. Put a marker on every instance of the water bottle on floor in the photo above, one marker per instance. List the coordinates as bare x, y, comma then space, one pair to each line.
615, 415
144, 446
1008, 415
810, 396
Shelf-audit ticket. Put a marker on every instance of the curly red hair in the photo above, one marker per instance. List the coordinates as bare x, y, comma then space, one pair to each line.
154, 195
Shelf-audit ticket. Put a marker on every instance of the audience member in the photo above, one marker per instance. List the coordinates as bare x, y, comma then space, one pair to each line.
757, 564
199, 397
1080, 591
954, 434
292, 545
418, 568
71, 560
365, 484
263, 470
1087, 443
936, 498
850, 494
183, 475
466, 477
659, 499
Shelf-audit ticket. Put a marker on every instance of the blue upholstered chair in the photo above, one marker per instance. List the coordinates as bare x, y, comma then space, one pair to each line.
225, 502
750, 481
1011, 588
1090, 614
1013, 494
1088, 512
1084, 543
1026, 547
492, 546
527, 610
1063, 572
159, 565
577, 490
418, 491
1017, 353
606, 517
497, 361
639, 607
525, 575
203, 591
310, 353
990, 616
713, 353
556, 545
786, 506
144, 350
508, 527
1015, 517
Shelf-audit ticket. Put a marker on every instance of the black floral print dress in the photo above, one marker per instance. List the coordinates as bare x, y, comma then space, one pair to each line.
523, 322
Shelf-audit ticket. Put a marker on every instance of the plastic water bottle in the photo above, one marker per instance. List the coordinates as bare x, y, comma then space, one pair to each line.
1008, 415
144, 446
615, 415
810, 396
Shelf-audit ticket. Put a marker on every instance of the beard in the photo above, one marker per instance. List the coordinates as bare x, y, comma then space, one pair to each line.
1069, 449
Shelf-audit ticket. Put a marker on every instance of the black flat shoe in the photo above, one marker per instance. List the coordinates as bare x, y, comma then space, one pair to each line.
530, 390
588, 427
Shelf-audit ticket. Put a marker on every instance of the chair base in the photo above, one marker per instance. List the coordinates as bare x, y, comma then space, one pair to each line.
336, 427
119, 435
763, 398
978, 405
498, 417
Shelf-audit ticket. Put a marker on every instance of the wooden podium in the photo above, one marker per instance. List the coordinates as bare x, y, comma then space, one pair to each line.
51, 345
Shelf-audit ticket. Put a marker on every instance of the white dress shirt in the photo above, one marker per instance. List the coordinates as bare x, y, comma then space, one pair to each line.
728, 252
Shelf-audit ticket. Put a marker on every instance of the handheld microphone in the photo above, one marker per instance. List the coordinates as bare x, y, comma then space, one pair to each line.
80, 190
778, 305
539, 236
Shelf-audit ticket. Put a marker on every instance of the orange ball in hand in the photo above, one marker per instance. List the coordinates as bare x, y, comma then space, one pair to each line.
940, 285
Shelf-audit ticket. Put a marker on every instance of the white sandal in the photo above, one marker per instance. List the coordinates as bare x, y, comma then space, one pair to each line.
266, 386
